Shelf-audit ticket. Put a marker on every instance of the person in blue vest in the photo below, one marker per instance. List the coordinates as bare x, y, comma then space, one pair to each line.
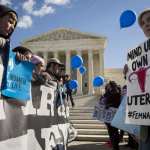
144, 23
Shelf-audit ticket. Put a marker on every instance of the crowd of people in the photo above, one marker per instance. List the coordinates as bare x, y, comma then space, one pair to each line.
53, 73
43, 73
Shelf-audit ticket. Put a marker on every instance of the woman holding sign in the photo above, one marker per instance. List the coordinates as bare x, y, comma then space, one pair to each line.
112, 99
144, 23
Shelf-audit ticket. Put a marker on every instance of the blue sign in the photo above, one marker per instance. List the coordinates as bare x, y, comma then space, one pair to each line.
18, 79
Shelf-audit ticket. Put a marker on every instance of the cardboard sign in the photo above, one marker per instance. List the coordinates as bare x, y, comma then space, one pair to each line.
103, 114
138, 87
119, 120
18, 77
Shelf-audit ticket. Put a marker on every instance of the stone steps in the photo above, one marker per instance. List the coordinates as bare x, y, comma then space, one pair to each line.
92, 131
93, 138
89, 126
85, 121
88, 129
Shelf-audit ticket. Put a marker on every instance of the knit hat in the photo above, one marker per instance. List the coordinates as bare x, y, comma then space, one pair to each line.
4, 10
37, 59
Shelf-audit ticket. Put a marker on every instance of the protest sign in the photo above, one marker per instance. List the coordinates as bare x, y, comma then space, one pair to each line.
103, 114
40, 125
138, 87
17, 79
119, 120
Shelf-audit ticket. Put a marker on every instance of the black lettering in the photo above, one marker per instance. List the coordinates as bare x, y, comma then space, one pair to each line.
142, 99
129, 101
134, 66
134, 53
147, 98
147, 45
140, 115
140, 63
136, 116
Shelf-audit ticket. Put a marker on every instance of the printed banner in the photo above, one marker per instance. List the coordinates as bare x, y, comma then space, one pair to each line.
18, 79
119, 120
40, 125
138, 87
103, 114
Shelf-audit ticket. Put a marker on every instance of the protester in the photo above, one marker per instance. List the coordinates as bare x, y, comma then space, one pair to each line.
68, 90
112, 99
54, 69
23, 53
144, 23
8, 19
39, 75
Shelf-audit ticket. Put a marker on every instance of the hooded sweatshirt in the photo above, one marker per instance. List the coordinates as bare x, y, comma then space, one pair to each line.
3, 11
6, 51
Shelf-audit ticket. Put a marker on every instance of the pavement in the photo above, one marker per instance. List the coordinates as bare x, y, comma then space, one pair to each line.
78, 145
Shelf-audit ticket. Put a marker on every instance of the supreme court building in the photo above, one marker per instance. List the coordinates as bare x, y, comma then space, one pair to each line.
63, 43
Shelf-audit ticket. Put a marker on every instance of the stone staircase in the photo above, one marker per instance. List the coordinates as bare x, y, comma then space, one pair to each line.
88, 129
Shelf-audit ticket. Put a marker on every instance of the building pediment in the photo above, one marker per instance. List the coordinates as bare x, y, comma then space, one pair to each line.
63, 34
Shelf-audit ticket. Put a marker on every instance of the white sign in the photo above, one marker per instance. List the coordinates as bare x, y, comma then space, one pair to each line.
103, 114
41, 125
138, 85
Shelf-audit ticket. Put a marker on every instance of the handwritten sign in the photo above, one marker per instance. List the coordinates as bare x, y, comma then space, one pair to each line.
40, 125
119, 120
18, 79
103, 114
138, 87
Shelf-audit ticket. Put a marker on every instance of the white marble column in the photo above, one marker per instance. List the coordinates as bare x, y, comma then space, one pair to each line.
55, 54
79, 77
90, 72
45, 56
101, 62
68, 55
101, 67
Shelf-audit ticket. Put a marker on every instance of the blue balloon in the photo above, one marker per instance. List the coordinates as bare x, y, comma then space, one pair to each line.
73, 84
98, 81
127, 18
82, 69
76, 61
